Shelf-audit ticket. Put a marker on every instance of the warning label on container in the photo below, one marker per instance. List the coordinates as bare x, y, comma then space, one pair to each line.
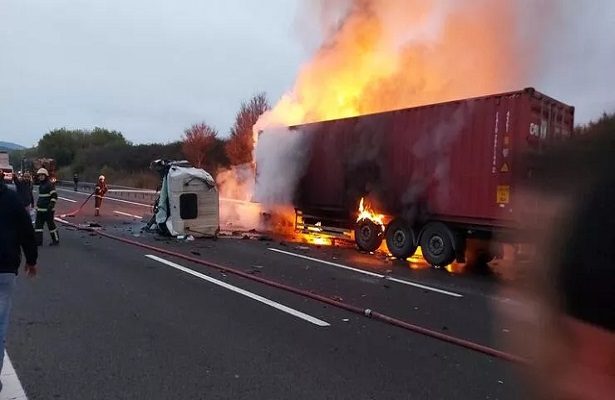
504, 167
503, 194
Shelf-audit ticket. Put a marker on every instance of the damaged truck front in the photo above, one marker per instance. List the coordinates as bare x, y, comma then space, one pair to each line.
444, 177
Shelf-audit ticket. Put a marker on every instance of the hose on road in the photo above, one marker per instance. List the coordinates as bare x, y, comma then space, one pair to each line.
73, 213
323, 299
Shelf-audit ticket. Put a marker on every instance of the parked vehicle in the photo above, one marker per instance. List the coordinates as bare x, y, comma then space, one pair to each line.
435, 176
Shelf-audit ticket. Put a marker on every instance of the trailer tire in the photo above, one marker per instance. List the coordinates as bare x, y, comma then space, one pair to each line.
437, 244
400, 239
368, 235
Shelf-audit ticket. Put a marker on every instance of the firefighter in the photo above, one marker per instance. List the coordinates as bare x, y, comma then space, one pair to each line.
101, 190
76, 180
45, 208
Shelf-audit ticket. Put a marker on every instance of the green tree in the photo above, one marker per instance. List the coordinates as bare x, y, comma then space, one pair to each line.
241, 142
605, 124
62, 145
103, 137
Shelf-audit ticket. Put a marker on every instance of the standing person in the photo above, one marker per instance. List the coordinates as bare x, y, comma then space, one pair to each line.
24, 187
16, 234
45, 208
101, 190
76, 180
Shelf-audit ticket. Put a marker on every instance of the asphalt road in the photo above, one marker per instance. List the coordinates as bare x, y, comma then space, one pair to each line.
108, 320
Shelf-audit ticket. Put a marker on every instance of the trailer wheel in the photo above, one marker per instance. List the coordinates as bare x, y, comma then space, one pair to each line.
368, 235
437, 244
400, 239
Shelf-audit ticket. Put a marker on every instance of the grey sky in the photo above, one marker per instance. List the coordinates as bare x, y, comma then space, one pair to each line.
152, 68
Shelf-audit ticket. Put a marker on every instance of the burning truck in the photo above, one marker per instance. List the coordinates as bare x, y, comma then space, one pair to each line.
439, 179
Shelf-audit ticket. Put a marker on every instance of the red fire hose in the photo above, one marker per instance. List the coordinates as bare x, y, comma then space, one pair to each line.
73, 213
323, 299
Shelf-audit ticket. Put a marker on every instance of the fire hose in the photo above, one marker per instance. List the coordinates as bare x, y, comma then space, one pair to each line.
369, 313
73, 213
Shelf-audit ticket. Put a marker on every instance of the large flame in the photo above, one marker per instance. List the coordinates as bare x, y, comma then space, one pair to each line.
367, 213
380, 55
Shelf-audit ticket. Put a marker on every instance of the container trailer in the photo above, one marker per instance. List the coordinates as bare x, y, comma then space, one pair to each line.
441, 175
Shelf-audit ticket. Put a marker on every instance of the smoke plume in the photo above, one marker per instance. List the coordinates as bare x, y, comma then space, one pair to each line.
378, 55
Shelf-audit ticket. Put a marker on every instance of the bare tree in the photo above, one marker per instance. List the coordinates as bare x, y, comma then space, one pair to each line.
197, 141
240, 143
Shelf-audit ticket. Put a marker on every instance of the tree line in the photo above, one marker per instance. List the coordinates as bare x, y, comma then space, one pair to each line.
102, 151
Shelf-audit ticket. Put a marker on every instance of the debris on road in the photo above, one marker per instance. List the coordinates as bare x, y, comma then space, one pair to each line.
196, 253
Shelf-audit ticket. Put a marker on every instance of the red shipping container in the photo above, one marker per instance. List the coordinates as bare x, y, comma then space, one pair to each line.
461, 159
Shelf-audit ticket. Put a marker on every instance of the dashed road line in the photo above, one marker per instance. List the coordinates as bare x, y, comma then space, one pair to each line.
369, 273
253, 296
127, 214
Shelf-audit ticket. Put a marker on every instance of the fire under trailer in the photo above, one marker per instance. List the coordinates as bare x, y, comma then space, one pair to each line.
445, 177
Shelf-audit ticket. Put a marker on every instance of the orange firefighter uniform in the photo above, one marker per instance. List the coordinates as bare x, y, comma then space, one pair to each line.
101, 190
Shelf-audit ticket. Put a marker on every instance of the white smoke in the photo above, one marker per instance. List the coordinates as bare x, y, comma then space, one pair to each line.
281, 156
236, 186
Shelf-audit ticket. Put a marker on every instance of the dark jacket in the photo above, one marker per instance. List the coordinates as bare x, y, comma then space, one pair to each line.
16, 232
24, 190
47, 196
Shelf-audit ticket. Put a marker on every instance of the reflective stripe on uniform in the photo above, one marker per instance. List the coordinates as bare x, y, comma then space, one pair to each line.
41, 210
38, 230
53, 231
44, 195
54, 200
52, 192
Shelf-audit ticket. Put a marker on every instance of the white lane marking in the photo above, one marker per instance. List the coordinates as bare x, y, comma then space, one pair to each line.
12, 389
243, 292
421, 286
111, 198
369, 273
65, 199
374, 274
132, 191
128, 215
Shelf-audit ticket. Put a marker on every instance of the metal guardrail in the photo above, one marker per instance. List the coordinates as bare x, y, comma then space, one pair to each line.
93, 185
125, 192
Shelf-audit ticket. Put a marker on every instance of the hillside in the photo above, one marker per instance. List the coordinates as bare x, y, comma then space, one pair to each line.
9, 146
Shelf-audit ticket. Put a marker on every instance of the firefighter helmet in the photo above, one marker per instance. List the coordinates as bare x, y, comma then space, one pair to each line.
42, 171
101, 178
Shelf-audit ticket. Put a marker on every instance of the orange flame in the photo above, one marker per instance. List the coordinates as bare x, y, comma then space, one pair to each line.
367, 213
378, 55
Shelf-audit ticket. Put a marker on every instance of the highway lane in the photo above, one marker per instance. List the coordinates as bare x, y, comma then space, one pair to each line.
104, 320
460, 304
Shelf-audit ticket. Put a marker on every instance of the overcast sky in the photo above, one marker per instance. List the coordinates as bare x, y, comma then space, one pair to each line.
152, 68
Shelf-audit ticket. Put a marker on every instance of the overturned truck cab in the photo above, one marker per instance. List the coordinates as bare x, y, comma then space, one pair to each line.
188, 201
441, 179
